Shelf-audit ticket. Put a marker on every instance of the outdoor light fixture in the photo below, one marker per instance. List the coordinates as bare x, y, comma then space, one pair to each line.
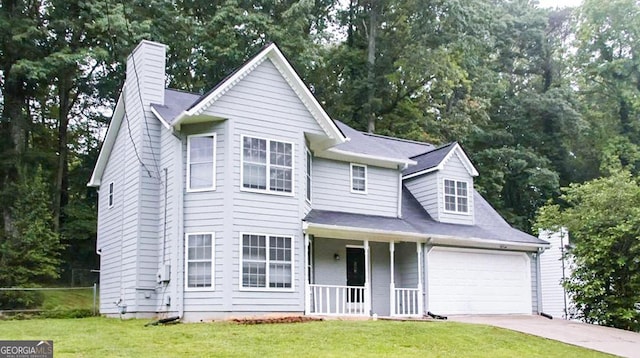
336, 257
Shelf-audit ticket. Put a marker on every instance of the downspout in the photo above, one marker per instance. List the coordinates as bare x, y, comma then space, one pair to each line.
538, 281
179, 243
564, 291
399, 196
425, 280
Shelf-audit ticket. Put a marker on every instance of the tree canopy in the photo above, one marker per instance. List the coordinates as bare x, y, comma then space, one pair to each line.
539, 98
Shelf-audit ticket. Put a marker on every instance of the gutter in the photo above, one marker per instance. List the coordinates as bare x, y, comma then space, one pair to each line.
437, 239
395, 161
433, 239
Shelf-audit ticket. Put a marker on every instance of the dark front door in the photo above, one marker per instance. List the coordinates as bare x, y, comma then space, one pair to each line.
355, 273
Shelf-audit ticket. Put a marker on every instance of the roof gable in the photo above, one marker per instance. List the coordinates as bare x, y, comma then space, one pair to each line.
109, 142
273, 53
436, 159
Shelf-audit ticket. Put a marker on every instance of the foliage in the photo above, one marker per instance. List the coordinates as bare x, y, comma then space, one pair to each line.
603, 219
102, 337
539, 98
29, 251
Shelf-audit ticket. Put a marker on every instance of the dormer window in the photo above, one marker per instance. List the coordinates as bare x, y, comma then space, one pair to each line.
358, 178
456, 196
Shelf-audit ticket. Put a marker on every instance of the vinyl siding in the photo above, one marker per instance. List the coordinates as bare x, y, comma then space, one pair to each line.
149, 197
455, 170
534, 282
380, 278
260, 105
428, 189
425, 189
169, 222
128, 232
117, 226
553, 294
326, 270
204, 212
332, 189
406, 265
148, 74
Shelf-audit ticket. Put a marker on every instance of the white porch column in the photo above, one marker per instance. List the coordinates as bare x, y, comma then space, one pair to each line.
392, 285
367, 279
307, 291
420, 298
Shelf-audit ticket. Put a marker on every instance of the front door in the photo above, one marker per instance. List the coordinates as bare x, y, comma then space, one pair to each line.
355, 273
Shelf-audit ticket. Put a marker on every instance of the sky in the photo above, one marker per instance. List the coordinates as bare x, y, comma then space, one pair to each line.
559, 3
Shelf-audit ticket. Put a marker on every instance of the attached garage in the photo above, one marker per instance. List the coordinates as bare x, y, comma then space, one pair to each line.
474, 281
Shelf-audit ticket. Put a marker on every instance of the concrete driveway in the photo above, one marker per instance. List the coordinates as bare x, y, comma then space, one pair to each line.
604, 339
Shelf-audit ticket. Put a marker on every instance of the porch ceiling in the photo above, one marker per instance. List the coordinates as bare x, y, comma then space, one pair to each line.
354, 233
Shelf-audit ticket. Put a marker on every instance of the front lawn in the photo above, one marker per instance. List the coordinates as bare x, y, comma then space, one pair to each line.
103, 337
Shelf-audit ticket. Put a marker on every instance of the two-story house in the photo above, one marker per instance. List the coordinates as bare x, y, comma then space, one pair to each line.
251, 200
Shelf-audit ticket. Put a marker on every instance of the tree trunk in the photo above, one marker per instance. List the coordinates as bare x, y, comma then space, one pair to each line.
60, 198
371, 61
14, 113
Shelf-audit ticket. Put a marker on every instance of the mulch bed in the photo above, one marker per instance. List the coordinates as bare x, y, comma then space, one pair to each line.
292, 319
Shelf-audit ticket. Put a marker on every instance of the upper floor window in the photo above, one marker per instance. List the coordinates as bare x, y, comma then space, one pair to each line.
201, 160
456, 196
358, 178
266, 261
199, 258
110, 200
309, 164
267, 165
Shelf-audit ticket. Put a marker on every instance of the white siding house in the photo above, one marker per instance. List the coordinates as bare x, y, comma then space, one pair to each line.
553, 269
251, 200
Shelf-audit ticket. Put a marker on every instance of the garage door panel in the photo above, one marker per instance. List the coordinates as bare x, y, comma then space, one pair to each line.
465, 281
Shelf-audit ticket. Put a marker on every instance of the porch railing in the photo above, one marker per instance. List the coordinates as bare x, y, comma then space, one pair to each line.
337, 300
406, 302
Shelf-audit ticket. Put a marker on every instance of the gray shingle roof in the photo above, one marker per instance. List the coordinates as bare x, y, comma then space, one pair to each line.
371, 144
415, 220
175, 102
429, 159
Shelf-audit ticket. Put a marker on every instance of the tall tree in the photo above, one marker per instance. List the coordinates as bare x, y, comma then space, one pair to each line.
608, 48
30, 253
21, 30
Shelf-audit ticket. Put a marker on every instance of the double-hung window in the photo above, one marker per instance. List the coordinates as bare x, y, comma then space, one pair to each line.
267, 165
267, 261
456, 196
199, 258
358, 178
201, 166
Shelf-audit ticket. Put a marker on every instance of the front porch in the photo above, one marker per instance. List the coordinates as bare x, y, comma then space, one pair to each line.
362, 277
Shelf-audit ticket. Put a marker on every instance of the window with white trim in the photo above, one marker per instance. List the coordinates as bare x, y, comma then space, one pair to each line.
110, 199
309, 165
456, 196
358, 178
199, 261
267, 165
201, 160
266, 261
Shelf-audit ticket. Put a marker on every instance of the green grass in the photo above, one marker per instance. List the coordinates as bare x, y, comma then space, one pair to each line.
67, 299
103, 337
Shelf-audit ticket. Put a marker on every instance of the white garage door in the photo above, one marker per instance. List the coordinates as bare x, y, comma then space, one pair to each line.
467, 281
